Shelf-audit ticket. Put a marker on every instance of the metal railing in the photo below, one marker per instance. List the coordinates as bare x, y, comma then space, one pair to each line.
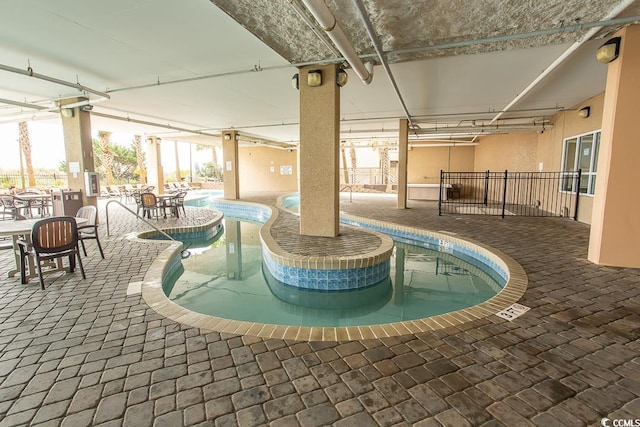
348, 187
106, 208
510, 193
46, 180
369, 176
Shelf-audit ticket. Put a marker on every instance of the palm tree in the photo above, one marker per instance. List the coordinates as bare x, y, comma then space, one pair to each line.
25, 146
354, 162
214, 158
345, 170
384, 164
142, 171
175, 147
106, 156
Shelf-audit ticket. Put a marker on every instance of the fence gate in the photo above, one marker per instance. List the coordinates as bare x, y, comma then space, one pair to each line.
510, 193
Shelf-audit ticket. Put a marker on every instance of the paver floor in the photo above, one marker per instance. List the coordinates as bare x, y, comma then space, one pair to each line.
85, 352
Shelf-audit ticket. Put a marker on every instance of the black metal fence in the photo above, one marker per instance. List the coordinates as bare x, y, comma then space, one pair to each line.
43, 180
510, 193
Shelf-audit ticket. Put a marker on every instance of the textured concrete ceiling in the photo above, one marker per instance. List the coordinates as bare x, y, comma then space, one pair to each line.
416, 24
209, 65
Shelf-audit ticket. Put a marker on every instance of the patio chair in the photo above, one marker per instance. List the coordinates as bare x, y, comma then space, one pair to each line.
51, 238
12, 208
455, 191
149, 203
114, 191
89, 231
169, 189
177, 202
128, 190
37, 200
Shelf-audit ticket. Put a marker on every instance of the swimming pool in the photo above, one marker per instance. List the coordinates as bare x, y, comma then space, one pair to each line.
227, 278
501, 268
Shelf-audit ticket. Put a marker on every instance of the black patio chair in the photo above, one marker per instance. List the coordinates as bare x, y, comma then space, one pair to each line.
176, 203
149, 203
89, 231
51, 238
12, 208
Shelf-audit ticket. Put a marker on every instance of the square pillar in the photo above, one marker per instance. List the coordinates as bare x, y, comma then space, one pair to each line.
230, 165
155, 173
403, 151
78, 147
615, 224
319, 153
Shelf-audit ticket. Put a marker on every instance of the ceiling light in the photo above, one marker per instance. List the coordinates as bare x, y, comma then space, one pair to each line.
608, 51
341, 77
584, 112
314, 78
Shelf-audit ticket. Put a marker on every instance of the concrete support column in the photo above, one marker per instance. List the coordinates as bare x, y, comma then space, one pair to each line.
233, 233
319, 153
78, 147
398, 283
155, 173
615, 224
230, 165
403, 152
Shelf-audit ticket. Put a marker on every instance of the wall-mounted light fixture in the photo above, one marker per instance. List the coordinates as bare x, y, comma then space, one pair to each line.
584, 112
314, 78
341, 77
87, 107
609, 51
295, 81
66, 112
227, 137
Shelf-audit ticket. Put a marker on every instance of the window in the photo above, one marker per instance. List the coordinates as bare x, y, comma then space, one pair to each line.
580, 152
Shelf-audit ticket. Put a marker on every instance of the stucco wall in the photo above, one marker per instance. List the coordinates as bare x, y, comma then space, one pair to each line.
513, 152
424, 163
567, 124
260, 169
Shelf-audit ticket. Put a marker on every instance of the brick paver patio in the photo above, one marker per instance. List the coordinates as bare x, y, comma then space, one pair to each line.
84, 352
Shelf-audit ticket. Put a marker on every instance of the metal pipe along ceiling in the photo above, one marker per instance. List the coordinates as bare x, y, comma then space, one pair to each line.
328, 22
29, 72
312, 26
592, 31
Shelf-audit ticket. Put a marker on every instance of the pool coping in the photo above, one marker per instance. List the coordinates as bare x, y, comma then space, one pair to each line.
154, 296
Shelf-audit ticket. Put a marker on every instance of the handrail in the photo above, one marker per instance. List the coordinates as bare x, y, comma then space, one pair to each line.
138, 216
350, 191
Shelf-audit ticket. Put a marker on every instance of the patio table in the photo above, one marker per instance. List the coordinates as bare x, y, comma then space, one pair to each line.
39, 201
22, 228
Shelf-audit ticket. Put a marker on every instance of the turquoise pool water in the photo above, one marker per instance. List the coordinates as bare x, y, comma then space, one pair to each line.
225, 277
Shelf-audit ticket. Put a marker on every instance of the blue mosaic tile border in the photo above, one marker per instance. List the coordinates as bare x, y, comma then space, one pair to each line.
327, 280
254, 212
429, 242
441, 245
243, 211
190, 235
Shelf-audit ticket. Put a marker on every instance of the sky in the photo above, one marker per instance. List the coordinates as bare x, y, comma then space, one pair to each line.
47, 147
